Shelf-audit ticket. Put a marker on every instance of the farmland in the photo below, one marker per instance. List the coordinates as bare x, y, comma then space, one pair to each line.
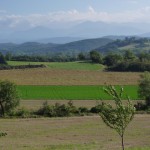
47, 76
70, 80
80, 133
82, 83
71, 92
79, 65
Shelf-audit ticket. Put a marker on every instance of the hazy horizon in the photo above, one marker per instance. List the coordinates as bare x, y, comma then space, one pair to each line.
68, 18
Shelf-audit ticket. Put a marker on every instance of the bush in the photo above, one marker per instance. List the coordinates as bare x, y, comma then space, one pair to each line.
57, 110
3, 134
8, 67
61, 110
140, 106
96, 109
46, 110
23, 113
83, 110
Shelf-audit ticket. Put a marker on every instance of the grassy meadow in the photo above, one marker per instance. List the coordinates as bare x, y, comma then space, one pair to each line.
78, 65
73, 133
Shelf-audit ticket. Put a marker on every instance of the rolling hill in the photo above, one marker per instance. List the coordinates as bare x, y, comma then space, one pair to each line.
135, 44
34, 48
103, 45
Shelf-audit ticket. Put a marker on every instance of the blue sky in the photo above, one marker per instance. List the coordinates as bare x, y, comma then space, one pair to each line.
17, 13
44, 6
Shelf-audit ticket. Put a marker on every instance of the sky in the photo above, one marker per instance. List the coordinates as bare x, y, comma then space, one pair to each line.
32, 13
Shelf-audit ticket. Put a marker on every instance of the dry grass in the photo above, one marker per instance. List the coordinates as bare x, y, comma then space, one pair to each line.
76, 133
47, 76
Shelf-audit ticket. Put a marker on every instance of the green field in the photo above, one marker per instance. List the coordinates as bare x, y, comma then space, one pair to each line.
30, 92
62, 65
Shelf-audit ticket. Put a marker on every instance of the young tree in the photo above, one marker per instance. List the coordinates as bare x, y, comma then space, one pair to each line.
117, 117
8, 97
144, 87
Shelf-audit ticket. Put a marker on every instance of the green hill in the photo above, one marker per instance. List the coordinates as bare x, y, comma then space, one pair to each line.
137, 45
33, 48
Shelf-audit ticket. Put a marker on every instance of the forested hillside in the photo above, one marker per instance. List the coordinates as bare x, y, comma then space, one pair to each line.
103, 45
135, 44
33, 48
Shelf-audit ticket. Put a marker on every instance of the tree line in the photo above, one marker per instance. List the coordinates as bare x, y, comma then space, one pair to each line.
125, 61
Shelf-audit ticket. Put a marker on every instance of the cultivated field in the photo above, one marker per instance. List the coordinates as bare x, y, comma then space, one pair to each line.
79, 92
47, 76
76, 133
69, 80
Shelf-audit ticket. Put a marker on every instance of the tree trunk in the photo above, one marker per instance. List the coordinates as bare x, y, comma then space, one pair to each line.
122, 139
2, 109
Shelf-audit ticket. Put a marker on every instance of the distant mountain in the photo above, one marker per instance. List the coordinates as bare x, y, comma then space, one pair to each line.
99, 29
34, 48
147, 35
87, 29
59, 40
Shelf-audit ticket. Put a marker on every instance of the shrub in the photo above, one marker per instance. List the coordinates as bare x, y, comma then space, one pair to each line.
140, 106
23, 113
61, 110
3, 134
96, 109
46, 110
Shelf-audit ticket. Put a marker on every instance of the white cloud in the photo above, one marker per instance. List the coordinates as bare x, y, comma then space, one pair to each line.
141, 15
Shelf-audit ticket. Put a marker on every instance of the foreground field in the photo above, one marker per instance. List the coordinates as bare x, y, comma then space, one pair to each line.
76, 133
72, 92
48, 76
